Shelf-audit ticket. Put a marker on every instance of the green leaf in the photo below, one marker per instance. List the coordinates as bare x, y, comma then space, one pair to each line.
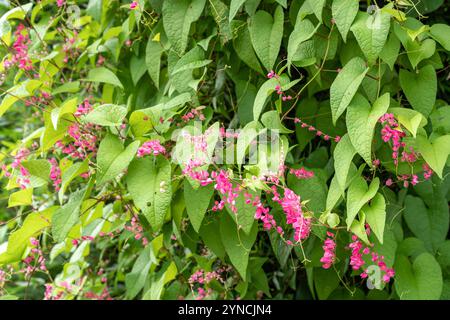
266, 34
136, 69
178, 15
70, 87
17, 93
67, 216
361, 120
107, 115
39, 171
149, 184
197, 202
343, 156
345, 86
243, 46
237, 243
209, 232
220, 13
21, 198
435, 152
113, 158
418, 51
440, 32
153, 52
358, 195
313, 189
71, 173
421, 280
271, 120
265, 91
189, 66
167, 273
376, 215
317, 7
235, 5
344, 12
390, 50
428, 224
33, 225
303, 30
103, 75
136, 279
371, 32
245, 216
420, 88
410, 119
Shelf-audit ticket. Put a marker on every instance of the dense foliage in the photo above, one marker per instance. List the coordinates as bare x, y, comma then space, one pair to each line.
224, 149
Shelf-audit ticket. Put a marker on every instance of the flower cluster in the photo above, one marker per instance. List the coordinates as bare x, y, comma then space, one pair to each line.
329, 248
278, 89
137, 229
194, 113
391, 131
294, 215
20, 48
55, 173
152, 147
35, 260
200, 279
319, 133
302, 173
23, 178
357, 261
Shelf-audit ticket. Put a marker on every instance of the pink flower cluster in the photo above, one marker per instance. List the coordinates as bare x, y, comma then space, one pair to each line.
76, 242
294, 215
201, 279
302, 173
391, 132
133, 5
20, 48
85, 141
357, 261
273, 74
319, 133
83, 108
225, 187
42, 97
35, 260
153, 147
60, 3
262, 213
55, 173
70, 51
329, 248
23, 179
194, 113
104, 295
137, 229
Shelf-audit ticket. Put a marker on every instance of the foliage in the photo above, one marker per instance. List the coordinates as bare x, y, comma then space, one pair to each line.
117, 184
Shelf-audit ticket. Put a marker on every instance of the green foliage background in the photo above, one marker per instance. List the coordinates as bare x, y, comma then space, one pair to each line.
344, 69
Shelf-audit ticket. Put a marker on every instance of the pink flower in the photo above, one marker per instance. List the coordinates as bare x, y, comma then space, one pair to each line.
133, 5
294, 215
302, 173
60, 3
153, 147
329, 254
